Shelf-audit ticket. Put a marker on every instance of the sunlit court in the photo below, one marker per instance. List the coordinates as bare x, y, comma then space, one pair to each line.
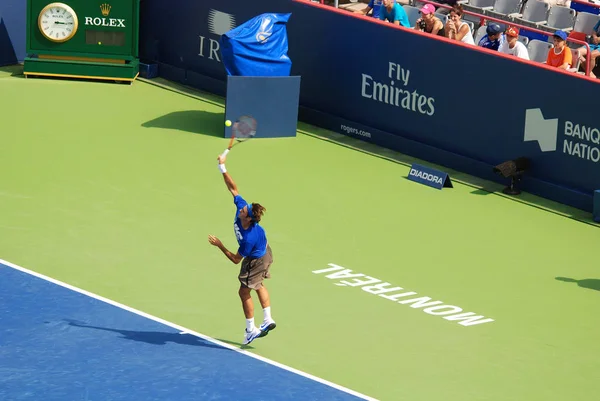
233, 209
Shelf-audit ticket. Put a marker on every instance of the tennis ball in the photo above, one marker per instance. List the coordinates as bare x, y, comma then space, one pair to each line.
99, 43
228, 123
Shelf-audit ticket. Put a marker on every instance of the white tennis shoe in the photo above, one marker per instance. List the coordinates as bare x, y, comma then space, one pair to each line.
250, 336
267, 325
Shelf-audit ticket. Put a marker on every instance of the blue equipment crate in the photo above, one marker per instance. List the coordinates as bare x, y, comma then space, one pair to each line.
148, 71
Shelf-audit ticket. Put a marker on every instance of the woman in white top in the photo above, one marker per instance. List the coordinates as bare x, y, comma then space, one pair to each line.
458, 29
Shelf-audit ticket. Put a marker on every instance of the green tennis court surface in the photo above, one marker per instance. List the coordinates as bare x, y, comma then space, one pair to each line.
115, 188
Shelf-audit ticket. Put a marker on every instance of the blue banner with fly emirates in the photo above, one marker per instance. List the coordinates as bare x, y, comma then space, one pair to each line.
476, 105
394, 87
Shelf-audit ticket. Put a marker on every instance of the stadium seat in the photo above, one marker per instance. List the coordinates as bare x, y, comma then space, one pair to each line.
502, 8
524, 40
471, 25
577, 35
562, 18
418, 4
538, 50
478, 5
475, 19
535, 13
443, 17
413, 14
480, 33
584, 22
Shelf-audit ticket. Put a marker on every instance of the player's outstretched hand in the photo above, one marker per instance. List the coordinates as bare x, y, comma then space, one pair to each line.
222, 159
214, 240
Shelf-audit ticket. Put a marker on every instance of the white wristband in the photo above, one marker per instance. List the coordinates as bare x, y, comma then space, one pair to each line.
222, 168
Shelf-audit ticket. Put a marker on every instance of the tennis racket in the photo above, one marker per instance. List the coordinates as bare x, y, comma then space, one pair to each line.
242, 130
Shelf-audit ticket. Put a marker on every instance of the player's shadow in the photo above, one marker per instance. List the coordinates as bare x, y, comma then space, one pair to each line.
589, 283
242, 346
194, 121
153, 337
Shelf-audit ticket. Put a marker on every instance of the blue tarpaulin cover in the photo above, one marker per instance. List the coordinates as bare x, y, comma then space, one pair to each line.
258, 47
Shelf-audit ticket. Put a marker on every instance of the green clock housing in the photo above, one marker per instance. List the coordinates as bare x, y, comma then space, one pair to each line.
83, 39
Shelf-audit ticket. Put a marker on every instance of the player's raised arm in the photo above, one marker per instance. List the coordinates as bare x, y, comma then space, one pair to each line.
228, 180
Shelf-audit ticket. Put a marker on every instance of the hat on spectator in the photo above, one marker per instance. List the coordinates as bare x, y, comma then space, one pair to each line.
513, 31
428, 9
560, 34
493, 29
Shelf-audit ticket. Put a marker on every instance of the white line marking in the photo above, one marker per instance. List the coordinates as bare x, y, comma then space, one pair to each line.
188, 331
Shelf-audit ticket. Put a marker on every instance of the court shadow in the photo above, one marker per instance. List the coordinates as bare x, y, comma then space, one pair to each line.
194, 121
491, 186
589, 283
12, 70
242, 346
153, 337
481, 191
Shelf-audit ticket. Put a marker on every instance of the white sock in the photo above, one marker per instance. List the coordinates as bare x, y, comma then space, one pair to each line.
267, 313
250, 324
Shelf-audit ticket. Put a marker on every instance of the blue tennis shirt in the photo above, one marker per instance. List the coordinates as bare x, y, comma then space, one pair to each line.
397, 14
253, 241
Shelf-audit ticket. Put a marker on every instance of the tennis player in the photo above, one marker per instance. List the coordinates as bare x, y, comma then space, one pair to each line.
255, 254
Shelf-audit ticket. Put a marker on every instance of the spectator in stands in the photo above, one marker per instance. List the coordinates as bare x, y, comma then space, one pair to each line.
394, 13
512, 45
429, 22
456, 28
493, 37
594, 42
374, 5
560, 55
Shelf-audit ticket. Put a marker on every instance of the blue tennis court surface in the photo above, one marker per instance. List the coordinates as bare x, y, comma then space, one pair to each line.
60, 343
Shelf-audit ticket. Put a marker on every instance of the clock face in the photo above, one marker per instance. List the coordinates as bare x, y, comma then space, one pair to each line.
58, 22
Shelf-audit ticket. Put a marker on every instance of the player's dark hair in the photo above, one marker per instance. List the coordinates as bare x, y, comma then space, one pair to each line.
257, 212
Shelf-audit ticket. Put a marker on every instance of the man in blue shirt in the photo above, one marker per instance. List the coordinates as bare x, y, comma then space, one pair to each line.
394, 13
493, 38
375, 5
593, 41
256, 254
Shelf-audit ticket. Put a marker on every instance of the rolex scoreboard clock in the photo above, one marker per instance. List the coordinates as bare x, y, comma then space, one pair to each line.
83, 39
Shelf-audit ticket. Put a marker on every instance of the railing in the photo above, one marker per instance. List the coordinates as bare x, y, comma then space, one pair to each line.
585, 4
477, 48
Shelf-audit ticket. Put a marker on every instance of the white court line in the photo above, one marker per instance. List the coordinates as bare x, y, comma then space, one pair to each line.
184, 330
